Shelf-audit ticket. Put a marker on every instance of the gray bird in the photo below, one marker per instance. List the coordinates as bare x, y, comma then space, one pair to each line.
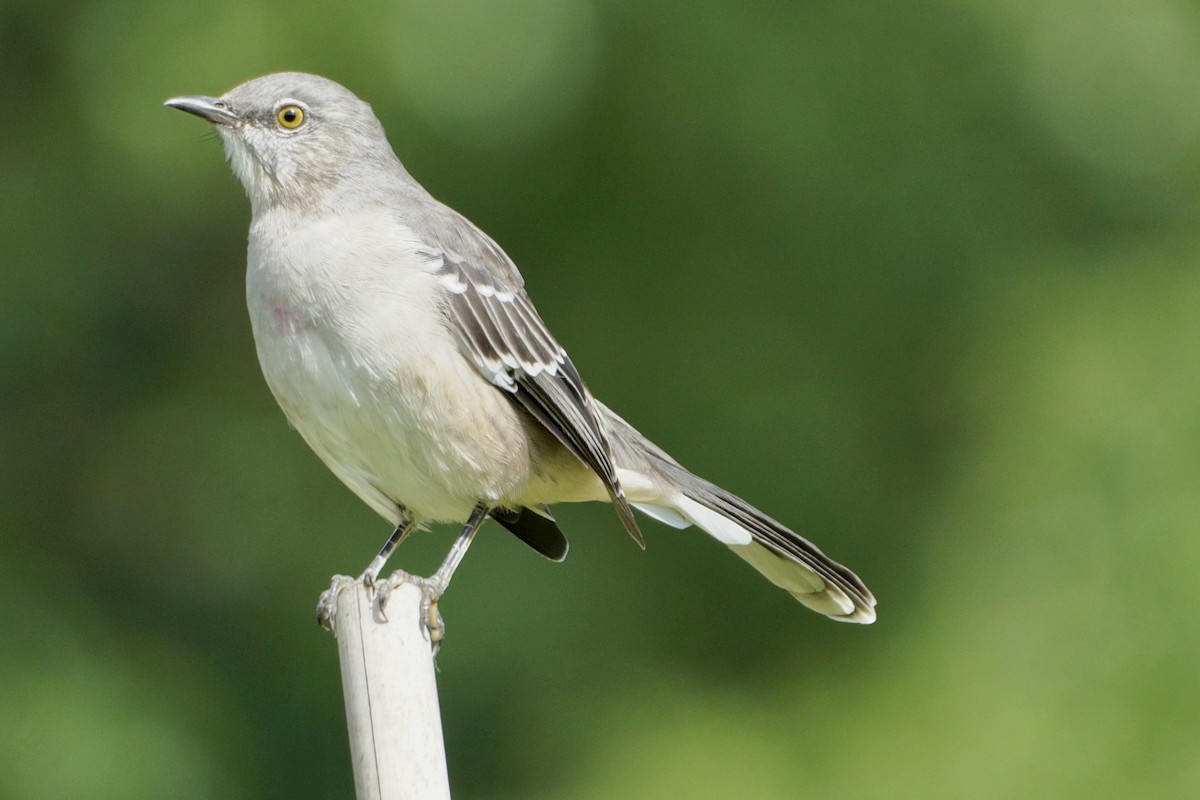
398, 339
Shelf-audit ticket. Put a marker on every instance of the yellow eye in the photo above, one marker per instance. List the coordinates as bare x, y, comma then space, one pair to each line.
290, 117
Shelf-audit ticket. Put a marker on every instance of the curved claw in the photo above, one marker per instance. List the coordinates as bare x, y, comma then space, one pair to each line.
327, 602
432, 625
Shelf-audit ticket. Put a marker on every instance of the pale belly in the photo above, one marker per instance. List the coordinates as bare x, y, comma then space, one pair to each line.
421, 429
355, 351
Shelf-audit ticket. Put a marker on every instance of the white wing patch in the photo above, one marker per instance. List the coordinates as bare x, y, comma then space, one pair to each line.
454, 282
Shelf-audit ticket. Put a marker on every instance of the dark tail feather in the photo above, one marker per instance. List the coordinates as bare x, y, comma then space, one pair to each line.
787, 559
790, 561
535, 528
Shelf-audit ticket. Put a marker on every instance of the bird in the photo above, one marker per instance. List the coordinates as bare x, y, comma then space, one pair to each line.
400, 342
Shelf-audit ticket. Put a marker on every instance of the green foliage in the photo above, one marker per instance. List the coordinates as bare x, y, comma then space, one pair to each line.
919, 278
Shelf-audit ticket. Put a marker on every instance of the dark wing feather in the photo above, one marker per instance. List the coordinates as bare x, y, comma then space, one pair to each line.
502, 334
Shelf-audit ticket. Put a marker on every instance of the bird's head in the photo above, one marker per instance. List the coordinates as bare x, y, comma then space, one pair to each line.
291, 138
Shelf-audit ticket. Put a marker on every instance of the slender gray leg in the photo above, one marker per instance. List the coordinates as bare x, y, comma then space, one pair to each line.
440, 580
435, 586
327, 604
403, 529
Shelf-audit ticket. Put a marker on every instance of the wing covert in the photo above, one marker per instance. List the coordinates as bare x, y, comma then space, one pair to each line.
502, 334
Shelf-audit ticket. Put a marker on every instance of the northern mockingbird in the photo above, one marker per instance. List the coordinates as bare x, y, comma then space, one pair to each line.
399, 341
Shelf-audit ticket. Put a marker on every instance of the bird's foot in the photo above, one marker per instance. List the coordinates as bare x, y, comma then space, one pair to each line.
371, 574
327, 602
432, 624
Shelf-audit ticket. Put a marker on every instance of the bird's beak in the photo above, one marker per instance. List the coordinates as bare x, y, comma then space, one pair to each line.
212, 109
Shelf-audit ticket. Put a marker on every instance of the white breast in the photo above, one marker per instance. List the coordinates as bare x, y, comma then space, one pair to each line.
355, 348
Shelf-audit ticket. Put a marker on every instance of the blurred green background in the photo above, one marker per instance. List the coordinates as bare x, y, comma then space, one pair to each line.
922, 279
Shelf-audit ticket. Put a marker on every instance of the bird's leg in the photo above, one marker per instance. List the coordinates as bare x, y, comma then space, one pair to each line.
435, 585
327, 604
440, 580
404, 527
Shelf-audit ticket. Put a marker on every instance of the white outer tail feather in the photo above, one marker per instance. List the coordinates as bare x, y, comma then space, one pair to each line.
797, 579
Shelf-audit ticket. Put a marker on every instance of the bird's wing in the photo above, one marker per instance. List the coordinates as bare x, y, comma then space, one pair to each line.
500, 332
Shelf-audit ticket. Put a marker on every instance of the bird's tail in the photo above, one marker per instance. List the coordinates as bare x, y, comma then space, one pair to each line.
661, 488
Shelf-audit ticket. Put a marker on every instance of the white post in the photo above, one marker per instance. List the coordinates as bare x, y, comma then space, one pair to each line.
391, 696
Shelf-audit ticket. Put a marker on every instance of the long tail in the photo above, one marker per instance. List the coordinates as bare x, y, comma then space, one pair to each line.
661, 488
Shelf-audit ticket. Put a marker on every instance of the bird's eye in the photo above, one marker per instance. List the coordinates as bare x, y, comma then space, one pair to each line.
290, 117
